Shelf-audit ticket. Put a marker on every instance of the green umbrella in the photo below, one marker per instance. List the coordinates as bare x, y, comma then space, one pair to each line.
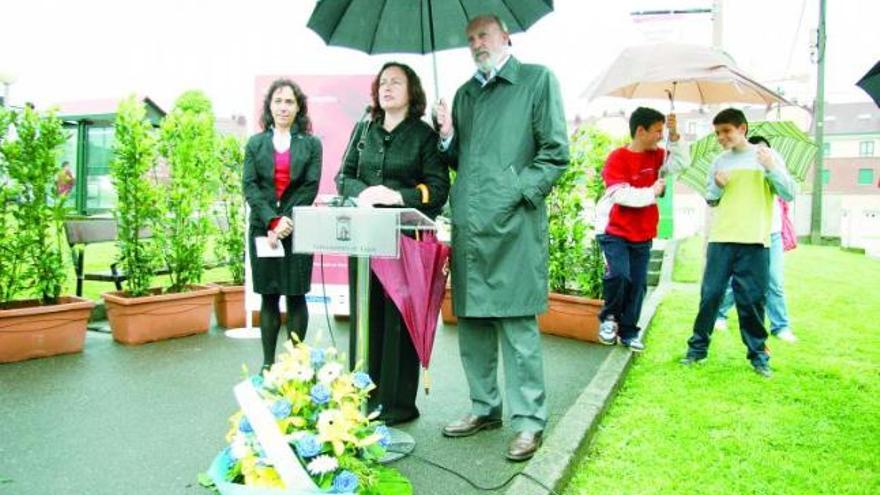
414, 26
796, 148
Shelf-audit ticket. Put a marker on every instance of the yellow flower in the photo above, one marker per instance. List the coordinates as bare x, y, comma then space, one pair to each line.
336, 428
299, 354
257, 475
342, 388
352, 414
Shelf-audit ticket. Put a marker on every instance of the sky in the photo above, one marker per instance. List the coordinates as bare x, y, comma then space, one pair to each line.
59, 51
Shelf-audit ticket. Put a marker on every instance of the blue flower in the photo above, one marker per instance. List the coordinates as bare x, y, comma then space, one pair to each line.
317, 357
308, 446
345, 482
257, 381
227, 460
281, 409
244, 426
320, 394
385, 434
361, 380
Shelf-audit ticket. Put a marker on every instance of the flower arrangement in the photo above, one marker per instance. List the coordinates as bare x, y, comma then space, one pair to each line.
317, 406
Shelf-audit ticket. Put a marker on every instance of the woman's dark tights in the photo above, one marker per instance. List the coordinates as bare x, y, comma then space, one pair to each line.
270, 322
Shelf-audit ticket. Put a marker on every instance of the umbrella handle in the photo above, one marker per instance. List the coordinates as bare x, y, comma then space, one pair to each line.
426, 381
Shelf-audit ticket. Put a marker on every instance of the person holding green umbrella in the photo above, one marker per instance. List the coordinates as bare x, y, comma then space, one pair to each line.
742, 186
782, 239
506, 136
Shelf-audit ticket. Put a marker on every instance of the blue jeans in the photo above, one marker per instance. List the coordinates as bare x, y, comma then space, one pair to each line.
625, 282
746, 265
776, 309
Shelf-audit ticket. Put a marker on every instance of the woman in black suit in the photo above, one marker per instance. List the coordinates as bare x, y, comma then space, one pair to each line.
282, 169
393, 160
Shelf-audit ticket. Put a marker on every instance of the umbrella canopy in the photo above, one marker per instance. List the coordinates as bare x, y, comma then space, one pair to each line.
415, 281
692, 73
414, 26
796, 148
870, 82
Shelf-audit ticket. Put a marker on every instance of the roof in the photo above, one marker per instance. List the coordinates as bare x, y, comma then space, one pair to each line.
103, 110
852, 118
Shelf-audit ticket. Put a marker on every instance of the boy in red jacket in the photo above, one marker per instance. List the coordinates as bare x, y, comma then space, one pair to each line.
626, 220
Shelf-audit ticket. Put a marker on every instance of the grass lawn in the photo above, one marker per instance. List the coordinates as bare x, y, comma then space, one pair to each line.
98, 258
814, 428
689, 258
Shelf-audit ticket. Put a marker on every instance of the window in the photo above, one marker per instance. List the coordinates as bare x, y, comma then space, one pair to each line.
866, 176
100, 194
826, 150
866, 148
826, 176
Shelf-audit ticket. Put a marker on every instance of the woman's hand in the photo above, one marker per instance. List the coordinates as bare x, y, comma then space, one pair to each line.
379, 195
284, 227
273, 239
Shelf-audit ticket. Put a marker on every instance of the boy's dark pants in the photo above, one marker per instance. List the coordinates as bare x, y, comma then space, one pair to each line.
625, 282
748, 264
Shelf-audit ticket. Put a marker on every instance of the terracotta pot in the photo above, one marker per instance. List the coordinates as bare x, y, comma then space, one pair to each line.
446, 308
29, 330
571, 316
229, 305
255, 318
138, 320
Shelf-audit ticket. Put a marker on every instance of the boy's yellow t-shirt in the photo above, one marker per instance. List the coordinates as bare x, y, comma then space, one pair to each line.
745, 211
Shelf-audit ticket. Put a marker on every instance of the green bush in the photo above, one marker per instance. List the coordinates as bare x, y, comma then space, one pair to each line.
134, 156
189, 144
32, 222
230, 242
576, 264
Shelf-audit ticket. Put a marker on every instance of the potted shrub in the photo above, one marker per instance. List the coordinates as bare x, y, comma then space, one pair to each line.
229, 247
576, 264
177, 216
32, 243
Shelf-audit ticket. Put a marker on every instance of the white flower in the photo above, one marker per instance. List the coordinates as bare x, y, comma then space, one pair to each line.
329, 372
301, 373
239, 446
322, 464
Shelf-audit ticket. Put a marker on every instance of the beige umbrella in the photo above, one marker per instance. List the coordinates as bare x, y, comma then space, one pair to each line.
691, 73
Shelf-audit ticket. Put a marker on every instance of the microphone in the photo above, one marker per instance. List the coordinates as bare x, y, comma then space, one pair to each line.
340, 178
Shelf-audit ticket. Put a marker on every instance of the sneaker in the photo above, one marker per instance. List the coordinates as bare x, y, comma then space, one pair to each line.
721, 325
634, 344
608, 332
786, 335
691, 361
763, 370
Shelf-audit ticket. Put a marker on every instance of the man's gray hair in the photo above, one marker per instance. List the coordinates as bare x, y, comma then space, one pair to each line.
490, 18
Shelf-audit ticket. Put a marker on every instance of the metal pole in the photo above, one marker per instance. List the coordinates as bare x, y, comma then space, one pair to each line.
819, 117
362, 292
717, 24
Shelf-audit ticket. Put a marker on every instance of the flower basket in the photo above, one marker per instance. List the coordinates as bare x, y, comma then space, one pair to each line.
302, 429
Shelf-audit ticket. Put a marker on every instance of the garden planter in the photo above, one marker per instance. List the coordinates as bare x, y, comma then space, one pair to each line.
138, 320
29, 330
229, 305
571, 316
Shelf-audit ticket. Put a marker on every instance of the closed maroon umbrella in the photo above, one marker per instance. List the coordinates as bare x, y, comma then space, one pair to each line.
415, 282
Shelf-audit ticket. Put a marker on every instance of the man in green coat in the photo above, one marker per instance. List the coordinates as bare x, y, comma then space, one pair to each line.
506, 137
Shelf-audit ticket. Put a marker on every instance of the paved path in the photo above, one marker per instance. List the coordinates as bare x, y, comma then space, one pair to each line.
147, 419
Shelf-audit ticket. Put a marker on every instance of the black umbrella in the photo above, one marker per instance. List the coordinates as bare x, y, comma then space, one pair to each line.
870, 82
414, 26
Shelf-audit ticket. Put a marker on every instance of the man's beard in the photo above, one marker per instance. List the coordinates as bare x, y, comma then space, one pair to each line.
485, 64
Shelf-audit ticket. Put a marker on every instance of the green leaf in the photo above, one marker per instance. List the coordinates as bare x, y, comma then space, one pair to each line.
390, 482
205, 480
